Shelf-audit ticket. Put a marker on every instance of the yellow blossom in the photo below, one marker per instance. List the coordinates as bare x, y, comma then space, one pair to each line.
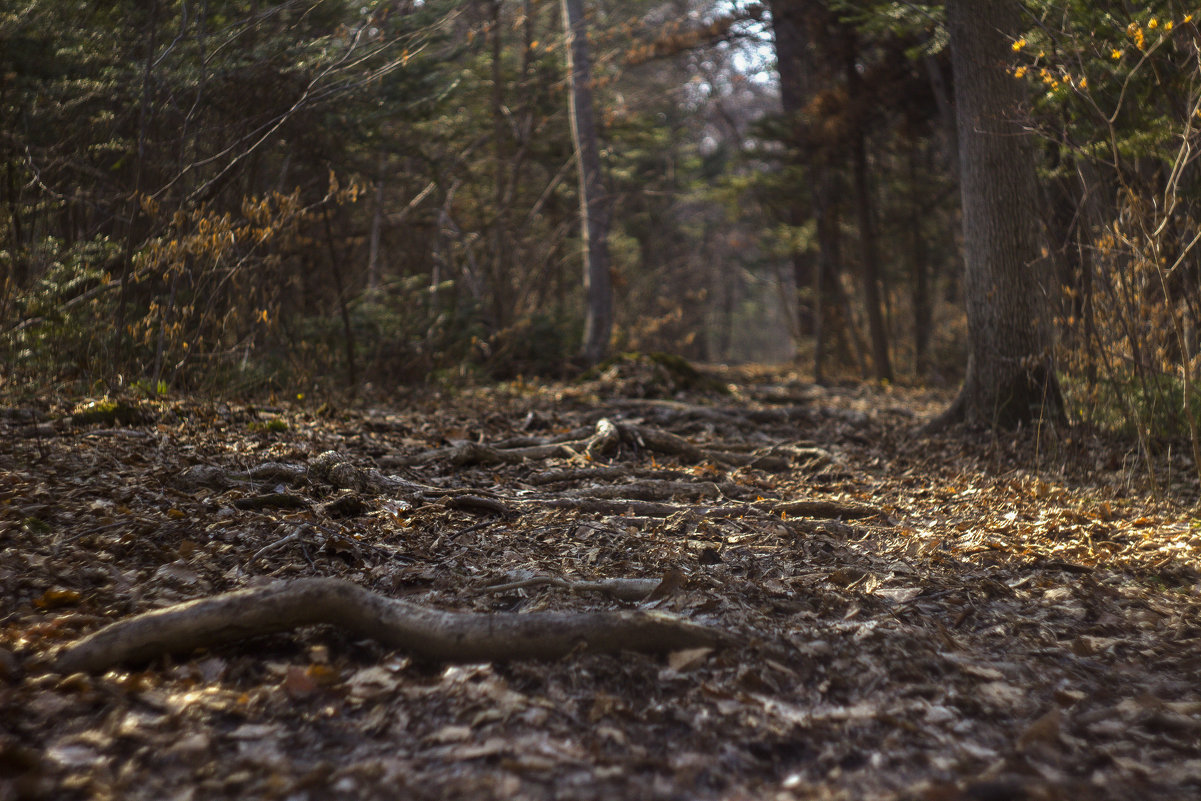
1115, 54
1019, 44
1188, 18
1169, 25
1020, 72
1153, 23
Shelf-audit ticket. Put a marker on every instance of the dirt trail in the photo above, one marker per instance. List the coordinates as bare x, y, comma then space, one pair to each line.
946, 618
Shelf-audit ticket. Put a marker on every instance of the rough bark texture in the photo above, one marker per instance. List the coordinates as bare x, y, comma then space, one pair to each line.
594, 225
1010, 377
426, 633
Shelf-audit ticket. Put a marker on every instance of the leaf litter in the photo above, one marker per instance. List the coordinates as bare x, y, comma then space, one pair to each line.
959, 617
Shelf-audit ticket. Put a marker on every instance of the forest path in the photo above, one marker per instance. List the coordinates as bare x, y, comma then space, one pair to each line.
936, 618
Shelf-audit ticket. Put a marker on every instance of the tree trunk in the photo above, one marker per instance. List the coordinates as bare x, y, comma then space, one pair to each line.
870, 267
343, 309
869, 255
594, 222
802, 275
799, 28
1010, 376
500, 282
920, 275
791, 66
14, 278
144, 113
377, 224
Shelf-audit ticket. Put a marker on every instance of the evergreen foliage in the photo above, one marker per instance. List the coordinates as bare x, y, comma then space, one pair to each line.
306, 195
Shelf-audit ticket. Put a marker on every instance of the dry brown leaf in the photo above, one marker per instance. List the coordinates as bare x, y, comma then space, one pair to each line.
371, 682
688, 659
298, 683
672, 581
1044, 730
942, 630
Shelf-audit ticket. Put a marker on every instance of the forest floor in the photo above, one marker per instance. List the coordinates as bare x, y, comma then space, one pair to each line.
951, 617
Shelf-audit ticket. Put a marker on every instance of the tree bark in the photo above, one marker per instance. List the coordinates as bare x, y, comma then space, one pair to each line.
594, 222
1010, 377
791, 60
377, 224
812, 47
870, 267
919, 274
802, 72
425, 633
500, 280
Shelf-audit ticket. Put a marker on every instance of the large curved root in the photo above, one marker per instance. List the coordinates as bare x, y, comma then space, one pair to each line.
424, 633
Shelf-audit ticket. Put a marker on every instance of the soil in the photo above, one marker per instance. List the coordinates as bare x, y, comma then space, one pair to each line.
964, 616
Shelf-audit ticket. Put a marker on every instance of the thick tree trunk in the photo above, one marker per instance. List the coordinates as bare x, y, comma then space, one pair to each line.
799, 28
791, 67
869, 255
594, 223
1010, 377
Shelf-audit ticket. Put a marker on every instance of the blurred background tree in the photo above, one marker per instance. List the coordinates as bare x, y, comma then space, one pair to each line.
306, 196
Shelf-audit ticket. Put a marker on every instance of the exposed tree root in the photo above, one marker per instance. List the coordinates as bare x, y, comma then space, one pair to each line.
951, 416
271, 500
1026, 397
831, 509
733, 417
626, 589
603, 506
424, 633
604, 441
657, 490
621, 506
476, 503
647, 498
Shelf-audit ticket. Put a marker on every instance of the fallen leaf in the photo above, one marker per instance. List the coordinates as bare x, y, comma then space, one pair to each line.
899, 595
1001, 695
256, 731
57, 598
688, 659
371, 682
450, 734
298, 683
672, 581
1043, 730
